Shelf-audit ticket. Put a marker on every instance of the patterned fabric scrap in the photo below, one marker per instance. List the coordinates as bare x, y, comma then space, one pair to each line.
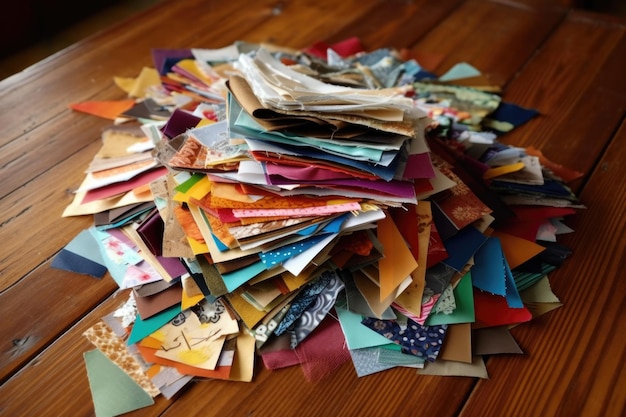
317, 311
306, 297
414, 339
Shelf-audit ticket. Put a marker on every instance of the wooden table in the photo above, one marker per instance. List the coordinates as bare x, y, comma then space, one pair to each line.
568, 64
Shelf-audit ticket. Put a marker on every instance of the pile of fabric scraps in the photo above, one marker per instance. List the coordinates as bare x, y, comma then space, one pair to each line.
312, 208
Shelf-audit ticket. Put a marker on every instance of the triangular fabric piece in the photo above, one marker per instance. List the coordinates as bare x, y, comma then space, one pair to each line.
112, 390
493, 310
105, 109
137, 87
517, 250
494, 340
487, 272
70, 261
398, 261
476, 369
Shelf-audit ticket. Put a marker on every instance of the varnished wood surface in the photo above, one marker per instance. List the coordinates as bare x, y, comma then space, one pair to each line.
568, 64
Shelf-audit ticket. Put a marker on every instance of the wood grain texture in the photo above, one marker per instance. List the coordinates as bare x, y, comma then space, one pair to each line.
41, 308
497, 38
566, 64
397, 22
576, 83
55, 382
33, 212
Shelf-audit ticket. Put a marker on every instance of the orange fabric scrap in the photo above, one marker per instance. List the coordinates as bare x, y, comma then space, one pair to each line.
106, 109
562, 172
186, 221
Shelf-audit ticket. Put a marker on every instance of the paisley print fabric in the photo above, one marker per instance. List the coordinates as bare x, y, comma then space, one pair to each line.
313, 316
303, 300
